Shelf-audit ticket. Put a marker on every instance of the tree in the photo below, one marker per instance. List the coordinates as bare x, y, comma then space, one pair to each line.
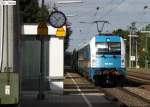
31, 12
143, 52
68, 33
124, 34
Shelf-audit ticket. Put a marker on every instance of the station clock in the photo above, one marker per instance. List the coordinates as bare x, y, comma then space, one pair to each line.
57, 19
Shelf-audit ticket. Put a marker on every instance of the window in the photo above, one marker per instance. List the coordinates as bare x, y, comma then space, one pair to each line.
108, 48
102, 47
115, 48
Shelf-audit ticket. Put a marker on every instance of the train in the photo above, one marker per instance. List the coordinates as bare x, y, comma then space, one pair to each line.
101, 60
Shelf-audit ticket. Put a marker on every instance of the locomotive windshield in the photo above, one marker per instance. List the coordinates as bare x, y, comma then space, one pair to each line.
108, 48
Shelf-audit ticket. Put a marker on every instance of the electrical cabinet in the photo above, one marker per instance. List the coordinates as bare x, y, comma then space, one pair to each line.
9, 88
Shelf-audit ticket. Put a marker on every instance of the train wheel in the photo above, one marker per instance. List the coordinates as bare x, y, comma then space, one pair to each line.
96, 81
121, 81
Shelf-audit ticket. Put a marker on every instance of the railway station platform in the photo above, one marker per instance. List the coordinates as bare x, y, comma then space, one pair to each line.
78, 92
65, 101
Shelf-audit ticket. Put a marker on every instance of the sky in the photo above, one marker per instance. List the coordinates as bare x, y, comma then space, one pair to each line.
119, 13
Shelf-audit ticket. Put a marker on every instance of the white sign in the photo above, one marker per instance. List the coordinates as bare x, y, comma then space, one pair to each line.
145, 31
7, 2
108, 63
7, 89
32, 30
132, 58
133, 35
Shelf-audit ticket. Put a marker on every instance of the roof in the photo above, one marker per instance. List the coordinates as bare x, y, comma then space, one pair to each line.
108, 38
31, 29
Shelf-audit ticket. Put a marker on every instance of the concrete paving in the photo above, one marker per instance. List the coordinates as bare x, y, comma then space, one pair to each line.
65, 101
78, 92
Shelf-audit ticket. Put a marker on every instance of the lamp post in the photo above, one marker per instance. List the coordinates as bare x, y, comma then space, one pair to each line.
68, 2
146, 50
133, 56
146, 36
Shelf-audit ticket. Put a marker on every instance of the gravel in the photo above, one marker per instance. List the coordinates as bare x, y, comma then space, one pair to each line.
141, 92
125, 98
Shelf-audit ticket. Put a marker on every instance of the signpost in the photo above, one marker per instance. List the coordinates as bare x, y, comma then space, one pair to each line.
60, 32
42, 31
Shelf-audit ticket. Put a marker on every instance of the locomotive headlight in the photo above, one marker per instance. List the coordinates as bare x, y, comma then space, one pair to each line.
94, 63
122, 63
108, 39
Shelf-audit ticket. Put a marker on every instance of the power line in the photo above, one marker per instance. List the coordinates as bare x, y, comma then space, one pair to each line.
110, 11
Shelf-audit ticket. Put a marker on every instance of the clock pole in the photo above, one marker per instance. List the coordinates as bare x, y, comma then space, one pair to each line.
41, 37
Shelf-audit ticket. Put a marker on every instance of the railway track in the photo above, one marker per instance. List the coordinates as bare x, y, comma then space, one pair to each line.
139, 77
128, 96
125, 97
140, 98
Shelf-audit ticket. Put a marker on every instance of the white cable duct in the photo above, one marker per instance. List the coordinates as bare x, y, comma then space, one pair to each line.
8, 43
1, 35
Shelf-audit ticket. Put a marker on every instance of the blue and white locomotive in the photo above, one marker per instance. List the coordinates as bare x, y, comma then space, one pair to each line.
102, 60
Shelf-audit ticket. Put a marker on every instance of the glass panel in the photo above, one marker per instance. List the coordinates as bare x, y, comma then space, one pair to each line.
102, 48
114, 47
108, 48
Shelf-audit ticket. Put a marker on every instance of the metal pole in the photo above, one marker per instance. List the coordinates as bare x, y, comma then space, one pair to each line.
41, 95
136, 55
130, 50
8, 38
146, 52
132, 44
42, 3
1, 35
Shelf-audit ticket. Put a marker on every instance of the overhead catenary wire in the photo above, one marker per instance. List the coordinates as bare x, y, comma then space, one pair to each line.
98, 8
112, 9
107, 13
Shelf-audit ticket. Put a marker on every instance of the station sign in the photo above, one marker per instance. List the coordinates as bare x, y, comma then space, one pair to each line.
133, 36
60, 32
132, 58
42, 29
7, 2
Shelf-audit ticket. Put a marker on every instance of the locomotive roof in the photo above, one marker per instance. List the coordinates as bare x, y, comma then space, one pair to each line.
108, 38
102, 38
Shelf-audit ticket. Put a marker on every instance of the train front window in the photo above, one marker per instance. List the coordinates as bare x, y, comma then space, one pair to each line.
102, 48
108, 48
115, 48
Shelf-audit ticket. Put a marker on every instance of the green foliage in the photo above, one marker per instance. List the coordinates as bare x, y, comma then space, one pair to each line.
66, 41
124, 34
141, 44
121, 32
143, 53
31, 12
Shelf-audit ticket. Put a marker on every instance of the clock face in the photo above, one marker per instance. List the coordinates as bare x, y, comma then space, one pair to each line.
57, 19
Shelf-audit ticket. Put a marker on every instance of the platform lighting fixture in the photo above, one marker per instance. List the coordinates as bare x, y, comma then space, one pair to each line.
68, 2
70, 15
